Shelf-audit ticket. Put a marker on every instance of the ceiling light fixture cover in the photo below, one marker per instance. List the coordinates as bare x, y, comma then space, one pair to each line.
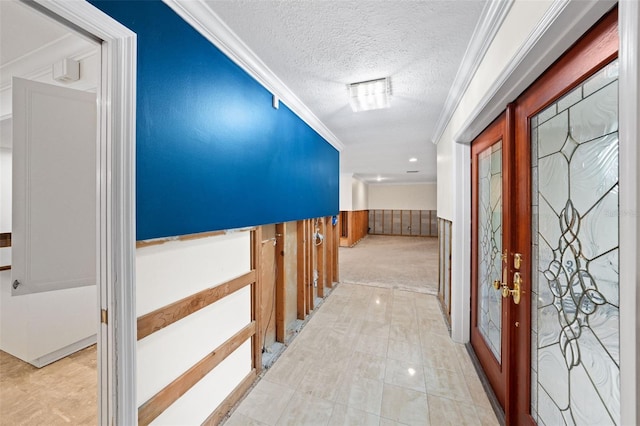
369, 95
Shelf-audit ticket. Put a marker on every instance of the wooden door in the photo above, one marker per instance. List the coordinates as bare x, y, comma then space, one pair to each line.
490, 251
545, 216
566, 212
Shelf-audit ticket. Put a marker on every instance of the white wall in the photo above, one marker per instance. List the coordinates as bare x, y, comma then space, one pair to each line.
172, 271
360, 195
353, 193
346, 192
523, 17
403, 197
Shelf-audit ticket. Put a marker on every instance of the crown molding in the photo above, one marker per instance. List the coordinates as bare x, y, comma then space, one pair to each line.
562, 25
491, 18
204, 20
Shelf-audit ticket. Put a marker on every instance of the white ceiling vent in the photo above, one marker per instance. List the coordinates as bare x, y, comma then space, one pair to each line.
368, 95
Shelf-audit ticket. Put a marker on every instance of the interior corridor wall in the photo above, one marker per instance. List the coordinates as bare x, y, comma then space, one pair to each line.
420, 196
212, 152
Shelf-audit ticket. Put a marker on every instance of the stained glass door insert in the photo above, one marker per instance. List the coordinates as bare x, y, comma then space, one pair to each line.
490, 246
575, 364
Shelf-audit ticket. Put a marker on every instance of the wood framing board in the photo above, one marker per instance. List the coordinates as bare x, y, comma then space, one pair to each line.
167, 315
256, 292
230, 401
267, 274
281, 293
320, 250
158, 403
328, 241
302, 288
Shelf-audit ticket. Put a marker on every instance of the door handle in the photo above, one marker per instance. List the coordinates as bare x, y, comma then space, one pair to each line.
515, 291
497, 284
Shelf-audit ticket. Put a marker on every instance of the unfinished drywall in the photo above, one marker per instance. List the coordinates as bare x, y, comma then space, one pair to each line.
402, 197
170, 272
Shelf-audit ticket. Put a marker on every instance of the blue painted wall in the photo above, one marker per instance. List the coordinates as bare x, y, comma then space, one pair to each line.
212, 153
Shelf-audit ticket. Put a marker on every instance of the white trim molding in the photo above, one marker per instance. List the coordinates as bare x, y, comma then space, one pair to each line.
562, 25
116, 167
204, 20
629, 107
491, 19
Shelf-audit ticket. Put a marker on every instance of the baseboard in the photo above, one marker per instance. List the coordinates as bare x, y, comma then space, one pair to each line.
66, 351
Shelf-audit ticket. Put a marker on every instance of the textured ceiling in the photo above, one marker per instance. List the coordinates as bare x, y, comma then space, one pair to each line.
317, 47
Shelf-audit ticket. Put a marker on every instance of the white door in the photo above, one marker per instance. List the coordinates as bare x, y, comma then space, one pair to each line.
54, 188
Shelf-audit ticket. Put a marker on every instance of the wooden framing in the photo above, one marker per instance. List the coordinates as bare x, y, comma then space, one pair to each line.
5, 239
406, 229
354, 226
281, 293
167, 315
320, 251
256, 299
302, 288
223, 409
187, 237
170, 393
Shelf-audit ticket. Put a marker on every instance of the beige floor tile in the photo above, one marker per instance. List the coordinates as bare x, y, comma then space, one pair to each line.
487, 416
444, 411
439, 356
447, 384
266, 402
478, 394
405, 374
306, 410
367, 365
238, 419
404, 351
372, 345
404, 405
288, 372
388, 422
322, 381
361, 393
406, 333
375, 329
349, 416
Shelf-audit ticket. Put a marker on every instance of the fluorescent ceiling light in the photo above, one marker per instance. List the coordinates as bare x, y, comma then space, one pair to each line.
368, 95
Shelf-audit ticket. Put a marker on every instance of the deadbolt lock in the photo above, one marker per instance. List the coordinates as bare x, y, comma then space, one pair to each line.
517, 260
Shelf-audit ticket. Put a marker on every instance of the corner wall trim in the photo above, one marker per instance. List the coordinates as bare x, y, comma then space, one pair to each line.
488, 25
204, 20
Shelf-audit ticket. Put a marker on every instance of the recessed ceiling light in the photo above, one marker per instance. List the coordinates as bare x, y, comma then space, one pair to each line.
413, 159
379, 179
412, 171
369, 95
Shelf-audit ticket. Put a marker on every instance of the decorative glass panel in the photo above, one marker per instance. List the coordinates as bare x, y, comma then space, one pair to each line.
490, 246
575, 343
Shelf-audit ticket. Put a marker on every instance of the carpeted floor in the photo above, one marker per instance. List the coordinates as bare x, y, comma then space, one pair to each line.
405, 263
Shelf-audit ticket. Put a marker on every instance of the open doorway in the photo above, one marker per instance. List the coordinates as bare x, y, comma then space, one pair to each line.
114, 210
50, 84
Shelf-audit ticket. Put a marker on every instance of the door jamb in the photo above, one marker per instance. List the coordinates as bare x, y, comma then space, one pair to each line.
116, 168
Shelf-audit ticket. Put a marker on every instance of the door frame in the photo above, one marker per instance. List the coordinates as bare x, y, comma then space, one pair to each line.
116, 217
559, 29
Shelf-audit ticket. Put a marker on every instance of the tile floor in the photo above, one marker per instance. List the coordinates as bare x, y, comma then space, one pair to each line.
370, 356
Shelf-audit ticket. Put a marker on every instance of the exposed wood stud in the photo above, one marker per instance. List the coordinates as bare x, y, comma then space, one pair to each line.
167, 315
158, 403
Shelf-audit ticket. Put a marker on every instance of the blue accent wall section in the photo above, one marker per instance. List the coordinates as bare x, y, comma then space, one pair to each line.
212, 152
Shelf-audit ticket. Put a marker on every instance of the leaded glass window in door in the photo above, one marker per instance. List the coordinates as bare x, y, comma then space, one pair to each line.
490, 246
575, 305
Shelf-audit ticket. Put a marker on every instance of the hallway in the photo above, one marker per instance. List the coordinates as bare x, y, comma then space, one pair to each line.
404, 263
370, 356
